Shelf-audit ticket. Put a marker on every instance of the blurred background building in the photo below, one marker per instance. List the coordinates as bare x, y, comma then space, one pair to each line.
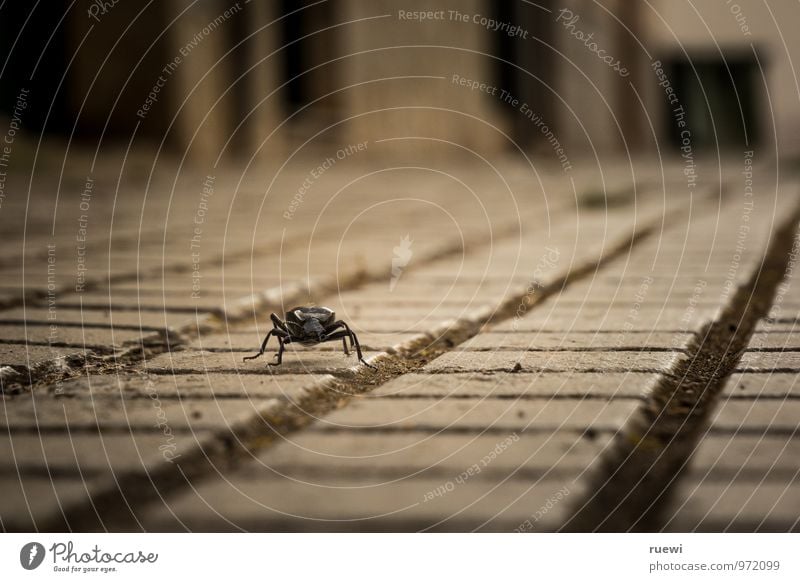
214, 77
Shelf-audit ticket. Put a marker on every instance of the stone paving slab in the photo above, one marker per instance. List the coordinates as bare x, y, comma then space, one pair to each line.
73, 335
562, 340
783, 385
559, 361
28, 355
186, 386
739, 506
25, 503
88, 456
586, 320
765, 415
478, 414
338, 457
294, 362
518, 385
775, 340
277, 504
110, 413
768, 361
747, 457
123, 318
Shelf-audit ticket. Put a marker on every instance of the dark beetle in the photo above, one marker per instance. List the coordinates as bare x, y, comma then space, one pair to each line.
309, 326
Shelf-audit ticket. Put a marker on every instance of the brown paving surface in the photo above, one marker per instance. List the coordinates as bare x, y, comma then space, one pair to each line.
554, 323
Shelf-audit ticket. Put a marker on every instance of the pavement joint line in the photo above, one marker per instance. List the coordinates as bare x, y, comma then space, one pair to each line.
238, 444
541, 370
522, 397
636, 480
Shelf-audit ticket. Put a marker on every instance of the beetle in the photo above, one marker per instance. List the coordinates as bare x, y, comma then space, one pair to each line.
309, 326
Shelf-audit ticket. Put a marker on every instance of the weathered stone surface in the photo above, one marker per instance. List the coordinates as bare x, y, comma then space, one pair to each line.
72, 335
564, 340
125, 318
768, 361
763, 385
89, 455
507, 361
758, 415
28, 355
274, 504
295, 361
330, 459
26, 503
150, 415
186, 386
476, 415
519, 384
746, 507
775, 340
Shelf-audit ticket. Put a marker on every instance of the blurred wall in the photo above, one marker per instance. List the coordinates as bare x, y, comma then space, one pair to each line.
763, 31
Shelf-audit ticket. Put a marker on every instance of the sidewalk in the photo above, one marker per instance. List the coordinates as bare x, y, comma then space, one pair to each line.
545, 361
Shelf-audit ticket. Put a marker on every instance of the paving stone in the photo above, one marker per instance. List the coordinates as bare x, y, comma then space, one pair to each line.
548, 415
763, 385
546, 318
74, 336
741, 483
745, 458
620, 340
187, 386
89, 456
295, 360
151, 415
24, 503
123, 318
747, 507
27, 355
276, 504
766, 361
333, 459
519, 384
777, 340
561, 361
185, 302
742, 414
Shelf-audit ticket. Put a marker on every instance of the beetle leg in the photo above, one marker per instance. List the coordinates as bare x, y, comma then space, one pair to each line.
343, 335
277, 332
354, 341
279, 355
263, 347
276, 321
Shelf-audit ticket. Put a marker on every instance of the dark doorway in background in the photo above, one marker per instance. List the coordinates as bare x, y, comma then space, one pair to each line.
525, 66
307, 42
721, 101
35, 61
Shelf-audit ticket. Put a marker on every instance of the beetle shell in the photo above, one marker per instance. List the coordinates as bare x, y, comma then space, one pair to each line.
297, 319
